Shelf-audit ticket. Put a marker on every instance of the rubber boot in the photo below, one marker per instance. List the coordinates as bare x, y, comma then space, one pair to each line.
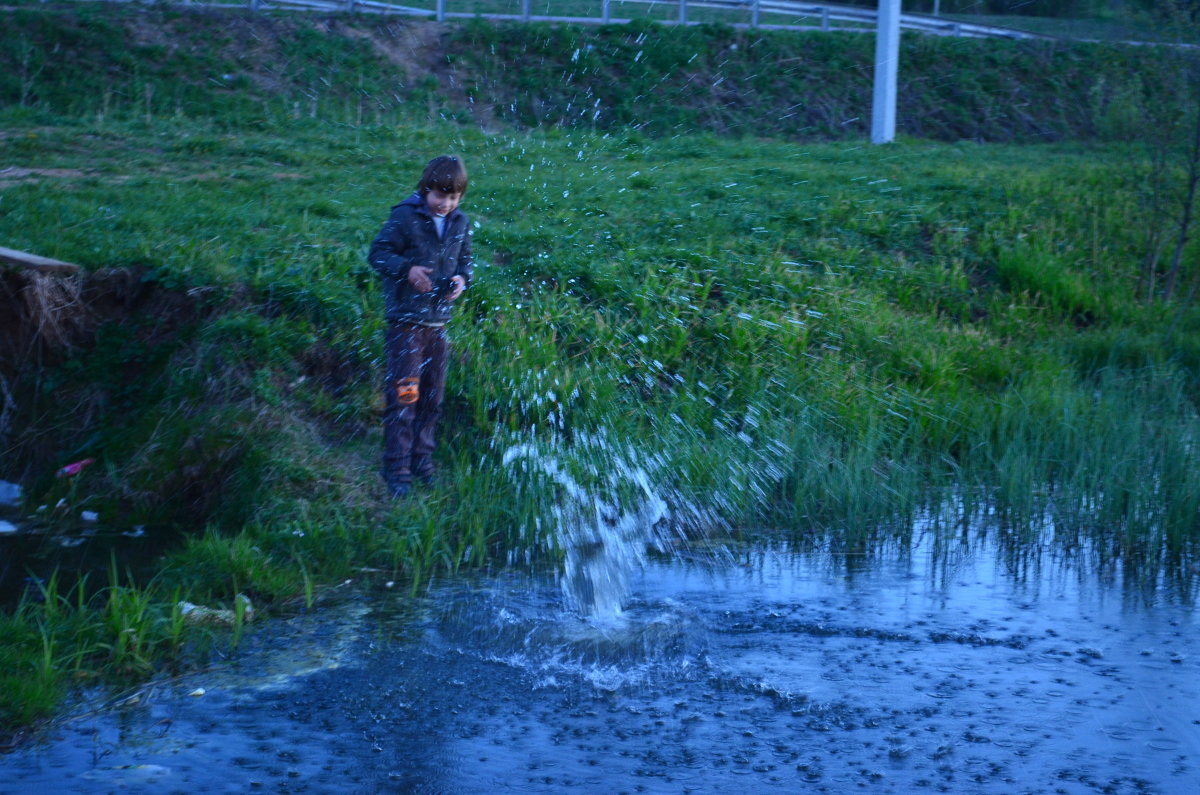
399, 484
423, 469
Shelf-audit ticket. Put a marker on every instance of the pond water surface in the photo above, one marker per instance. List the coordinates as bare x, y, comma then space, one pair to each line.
941, 667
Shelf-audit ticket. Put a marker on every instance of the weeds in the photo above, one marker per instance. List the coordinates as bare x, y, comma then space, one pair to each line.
122, 630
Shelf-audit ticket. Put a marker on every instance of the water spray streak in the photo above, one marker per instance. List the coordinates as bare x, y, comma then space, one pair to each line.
610, 511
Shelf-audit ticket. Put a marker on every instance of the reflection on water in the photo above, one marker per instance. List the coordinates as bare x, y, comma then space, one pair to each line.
65, 542
951, 664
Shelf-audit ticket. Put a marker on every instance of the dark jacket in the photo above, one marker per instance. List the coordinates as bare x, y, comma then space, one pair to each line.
408, 238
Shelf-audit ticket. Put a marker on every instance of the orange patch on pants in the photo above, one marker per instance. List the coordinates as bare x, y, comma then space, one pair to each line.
408, 390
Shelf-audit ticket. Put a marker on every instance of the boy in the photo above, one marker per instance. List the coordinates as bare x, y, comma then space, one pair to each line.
423, 254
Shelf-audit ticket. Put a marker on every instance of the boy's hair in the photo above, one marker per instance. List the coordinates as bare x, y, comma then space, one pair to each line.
446, 173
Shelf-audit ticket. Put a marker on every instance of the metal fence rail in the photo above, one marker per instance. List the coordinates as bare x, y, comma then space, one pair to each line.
801, 16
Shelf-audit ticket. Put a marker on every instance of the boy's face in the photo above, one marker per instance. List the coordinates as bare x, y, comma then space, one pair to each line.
440, 202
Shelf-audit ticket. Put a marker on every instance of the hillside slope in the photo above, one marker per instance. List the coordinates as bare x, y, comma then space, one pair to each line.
104, 60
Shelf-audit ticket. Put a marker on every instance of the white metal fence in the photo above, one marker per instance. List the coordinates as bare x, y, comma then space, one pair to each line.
778, 14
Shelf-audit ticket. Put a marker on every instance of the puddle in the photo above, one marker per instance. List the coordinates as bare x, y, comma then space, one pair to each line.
762, 669
31, 553
72, 542
10, 502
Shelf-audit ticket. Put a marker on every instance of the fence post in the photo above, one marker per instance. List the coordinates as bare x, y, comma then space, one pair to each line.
441, 10
824, 18
605, 11
887, 56
682, 12
525, 10
350, 6
754, 15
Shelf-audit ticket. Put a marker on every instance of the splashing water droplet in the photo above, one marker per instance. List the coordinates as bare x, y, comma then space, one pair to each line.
605, 528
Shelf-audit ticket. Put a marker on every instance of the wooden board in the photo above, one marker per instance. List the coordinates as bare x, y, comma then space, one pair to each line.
23, 259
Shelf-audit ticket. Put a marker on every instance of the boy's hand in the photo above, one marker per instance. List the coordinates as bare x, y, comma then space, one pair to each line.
457, 285
418, 277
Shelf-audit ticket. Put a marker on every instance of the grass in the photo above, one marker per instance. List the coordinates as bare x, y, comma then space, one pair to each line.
230, 67
875, 261
1105, 26
1097, 27
821, 337
1100, 28
57, 636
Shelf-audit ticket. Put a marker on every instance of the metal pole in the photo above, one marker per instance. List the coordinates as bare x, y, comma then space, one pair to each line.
754, 15
441, 10
824, 18
682, 12
525, 10
604, 14
937, 8
887, 57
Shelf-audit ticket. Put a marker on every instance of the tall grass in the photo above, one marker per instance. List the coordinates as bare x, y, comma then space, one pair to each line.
56, 637
895, 298
895, 295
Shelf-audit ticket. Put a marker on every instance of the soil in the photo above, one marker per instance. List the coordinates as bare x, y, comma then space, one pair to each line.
46, 316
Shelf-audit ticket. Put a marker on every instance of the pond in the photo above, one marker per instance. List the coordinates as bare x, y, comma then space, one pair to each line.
72, 542
942, 665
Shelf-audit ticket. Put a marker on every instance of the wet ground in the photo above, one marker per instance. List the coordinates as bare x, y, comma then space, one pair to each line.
949, 668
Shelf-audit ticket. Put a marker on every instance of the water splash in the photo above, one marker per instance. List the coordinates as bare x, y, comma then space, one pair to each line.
517, 621
606, 527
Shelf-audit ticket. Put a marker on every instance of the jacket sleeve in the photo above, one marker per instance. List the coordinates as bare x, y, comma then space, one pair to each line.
466, 261
385, 255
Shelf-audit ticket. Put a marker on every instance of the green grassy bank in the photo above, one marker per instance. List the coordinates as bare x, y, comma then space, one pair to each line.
237, 67
824, 338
